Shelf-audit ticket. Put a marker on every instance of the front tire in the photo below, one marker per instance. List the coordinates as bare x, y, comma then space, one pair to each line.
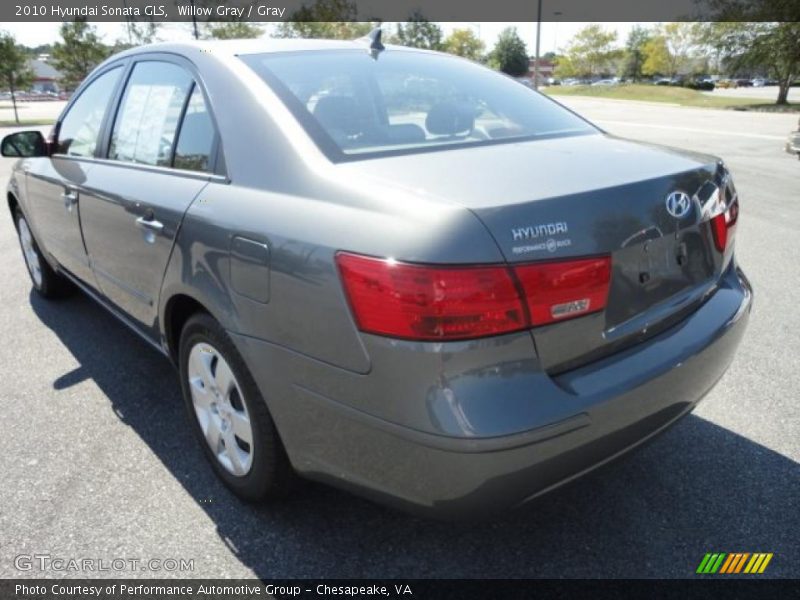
45, 280
229, 415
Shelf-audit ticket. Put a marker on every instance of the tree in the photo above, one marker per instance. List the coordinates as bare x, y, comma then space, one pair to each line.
589, 53
680, 41
142, 33
509, 54
326, 19
418, 32
138, 34
771, 46
80, 51
634, 57
657, 60
231, 30
15, 74
463, 42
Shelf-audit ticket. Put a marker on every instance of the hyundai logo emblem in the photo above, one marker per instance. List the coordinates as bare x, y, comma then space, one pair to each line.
678, 204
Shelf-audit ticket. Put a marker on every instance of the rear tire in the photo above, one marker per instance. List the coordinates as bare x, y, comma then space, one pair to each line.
46, 281
229, 415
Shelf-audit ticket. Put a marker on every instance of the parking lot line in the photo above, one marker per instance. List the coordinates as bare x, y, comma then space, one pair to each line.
758, 136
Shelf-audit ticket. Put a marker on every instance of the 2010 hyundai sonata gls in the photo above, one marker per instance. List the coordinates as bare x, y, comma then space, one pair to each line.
393, 270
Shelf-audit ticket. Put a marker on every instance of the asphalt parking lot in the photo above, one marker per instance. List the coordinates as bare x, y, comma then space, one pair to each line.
98, 462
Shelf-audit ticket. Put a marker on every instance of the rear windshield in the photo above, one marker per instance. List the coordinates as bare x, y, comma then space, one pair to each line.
355, 106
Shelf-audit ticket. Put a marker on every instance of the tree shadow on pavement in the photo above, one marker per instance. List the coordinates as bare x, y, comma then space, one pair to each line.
698, 488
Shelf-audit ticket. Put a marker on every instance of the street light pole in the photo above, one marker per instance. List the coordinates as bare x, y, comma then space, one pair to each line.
538, 36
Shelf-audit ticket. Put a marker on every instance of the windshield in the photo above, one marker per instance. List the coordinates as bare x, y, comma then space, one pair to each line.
355, 106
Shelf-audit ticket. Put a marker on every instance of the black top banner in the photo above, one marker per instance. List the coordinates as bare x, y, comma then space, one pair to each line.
400, 10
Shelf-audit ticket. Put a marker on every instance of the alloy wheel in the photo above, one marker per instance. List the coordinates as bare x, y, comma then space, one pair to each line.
30, 252
220, 409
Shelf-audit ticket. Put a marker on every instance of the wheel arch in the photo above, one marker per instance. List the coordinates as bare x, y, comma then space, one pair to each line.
13, 205
178, 309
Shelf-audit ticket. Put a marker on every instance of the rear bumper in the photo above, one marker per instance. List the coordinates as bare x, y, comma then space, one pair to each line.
593, 414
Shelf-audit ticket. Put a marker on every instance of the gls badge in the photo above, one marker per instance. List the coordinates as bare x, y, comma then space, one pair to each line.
678, 204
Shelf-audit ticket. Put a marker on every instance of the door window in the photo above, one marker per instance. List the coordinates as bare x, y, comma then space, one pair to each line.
196, 138
147, 122
80, 128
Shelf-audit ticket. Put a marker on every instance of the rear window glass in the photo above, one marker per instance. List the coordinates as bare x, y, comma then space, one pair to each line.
356, 106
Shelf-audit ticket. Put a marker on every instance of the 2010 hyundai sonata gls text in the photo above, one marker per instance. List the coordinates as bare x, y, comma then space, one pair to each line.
389, 269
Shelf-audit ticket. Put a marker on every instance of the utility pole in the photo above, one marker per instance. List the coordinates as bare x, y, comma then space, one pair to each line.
194, 21
538, 36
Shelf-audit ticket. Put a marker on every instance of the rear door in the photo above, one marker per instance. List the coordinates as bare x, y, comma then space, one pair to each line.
55, 184
160, 153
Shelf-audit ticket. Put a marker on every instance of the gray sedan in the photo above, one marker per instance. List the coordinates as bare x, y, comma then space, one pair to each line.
389, 269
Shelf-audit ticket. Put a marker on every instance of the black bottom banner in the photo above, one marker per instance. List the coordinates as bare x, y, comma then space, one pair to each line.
230, 589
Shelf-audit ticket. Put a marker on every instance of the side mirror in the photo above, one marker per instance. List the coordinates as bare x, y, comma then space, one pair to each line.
24, 144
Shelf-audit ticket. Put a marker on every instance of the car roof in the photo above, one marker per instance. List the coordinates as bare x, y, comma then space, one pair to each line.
254, 46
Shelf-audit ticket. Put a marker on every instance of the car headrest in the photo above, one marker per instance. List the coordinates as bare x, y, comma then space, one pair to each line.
338, 113
450, 118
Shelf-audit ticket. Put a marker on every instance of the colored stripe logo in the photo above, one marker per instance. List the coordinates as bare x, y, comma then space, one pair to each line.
734, 562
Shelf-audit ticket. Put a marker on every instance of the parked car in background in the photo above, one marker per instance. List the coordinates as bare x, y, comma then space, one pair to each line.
744, 83
362, 280
759, 82
605, 82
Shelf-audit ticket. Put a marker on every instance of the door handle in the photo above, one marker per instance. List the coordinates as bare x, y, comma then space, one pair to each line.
70, 198
148, 222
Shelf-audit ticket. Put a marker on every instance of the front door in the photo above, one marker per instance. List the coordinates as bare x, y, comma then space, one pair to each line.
158, 160
55, 184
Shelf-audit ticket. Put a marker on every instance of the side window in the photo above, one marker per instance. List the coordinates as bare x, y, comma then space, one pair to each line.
196, 137
148, 117
80, 127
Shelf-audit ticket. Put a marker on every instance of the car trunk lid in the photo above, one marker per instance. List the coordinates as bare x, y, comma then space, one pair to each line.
589, 196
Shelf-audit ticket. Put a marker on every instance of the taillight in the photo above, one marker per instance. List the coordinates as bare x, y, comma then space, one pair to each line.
559, 290
430, 302
724, 226
424, 302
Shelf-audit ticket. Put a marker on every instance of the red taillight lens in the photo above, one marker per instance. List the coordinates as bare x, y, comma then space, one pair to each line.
724, 226
422, 302
560, 290
430, 303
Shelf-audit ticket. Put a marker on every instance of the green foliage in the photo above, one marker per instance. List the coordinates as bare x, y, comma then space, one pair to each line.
418, 32
773, 47
325, 19
40, 49
589, 53
78, 53
657, 59
463, 42
15, 74
509, 54
232, 30
634, 57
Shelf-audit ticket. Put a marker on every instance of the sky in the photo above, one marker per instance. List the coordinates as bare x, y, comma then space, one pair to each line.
554, 35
